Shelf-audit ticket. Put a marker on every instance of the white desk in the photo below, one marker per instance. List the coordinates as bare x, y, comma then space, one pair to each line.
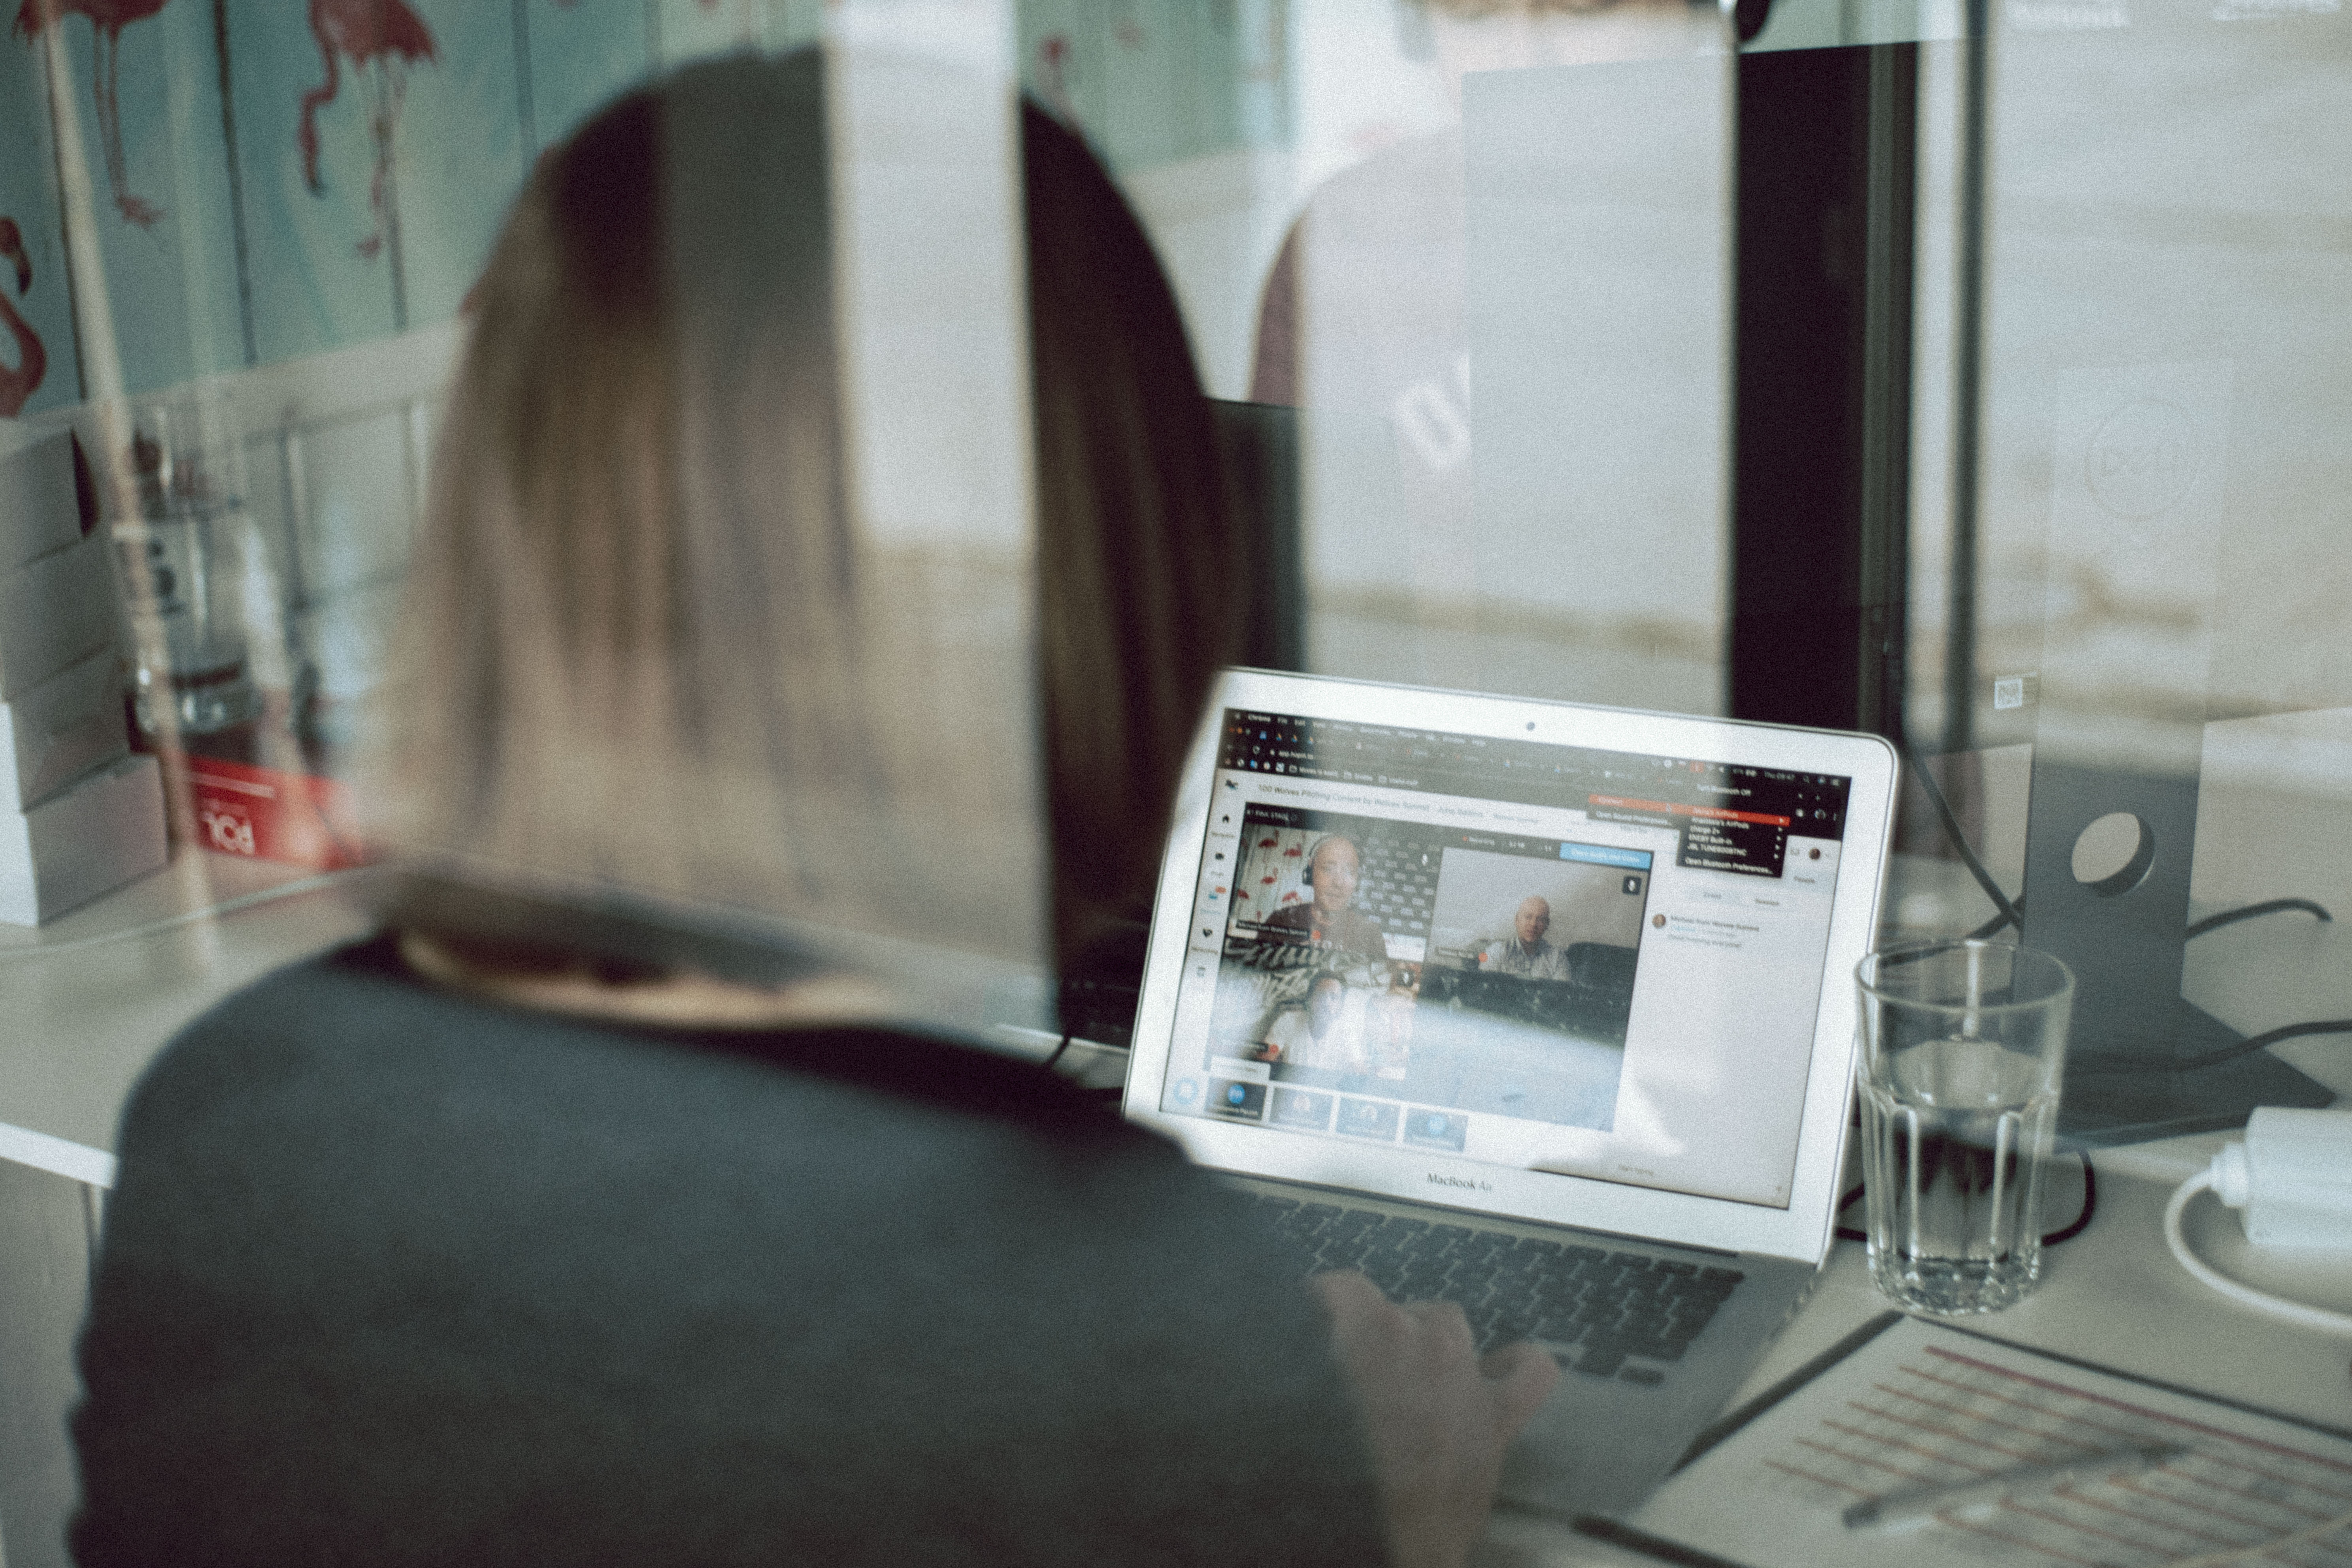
2113, 1296
91, 997
86, 1006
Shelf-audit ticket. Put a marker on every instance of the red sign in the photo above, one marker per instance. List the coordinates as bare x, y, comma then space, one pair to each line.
296, 819
1712, 813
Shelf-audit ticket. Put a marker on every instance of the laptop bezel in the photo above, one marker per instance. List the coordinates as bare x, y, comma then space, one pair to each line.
1801, 1231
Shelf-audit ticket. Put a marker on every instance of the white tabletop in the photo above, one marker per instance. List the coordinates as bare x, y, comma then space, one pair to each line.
93, 996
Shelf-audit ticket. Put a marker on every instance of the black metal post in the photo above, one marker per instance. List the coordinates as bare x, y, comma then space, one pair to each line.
1821, 382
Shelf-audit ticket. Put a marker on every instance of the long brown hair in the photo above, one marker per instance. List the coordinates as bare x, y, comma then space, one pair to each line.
1142, 568
641, 638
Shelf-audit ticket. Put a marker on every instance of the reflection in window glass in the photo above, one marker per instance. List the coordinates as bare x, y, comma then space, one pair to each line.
2160, 546
1365, 201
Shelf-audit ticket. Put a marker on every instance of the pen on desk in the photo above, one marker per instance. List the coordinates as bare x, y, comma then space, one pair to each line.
1920, 1504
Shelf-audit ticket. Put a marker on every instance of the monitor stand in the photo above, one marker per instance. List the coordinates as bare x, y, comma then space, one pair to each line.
2123, 937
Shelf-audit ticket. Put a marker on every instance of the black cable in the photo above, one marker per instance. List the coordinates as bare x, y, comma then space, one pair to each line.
2095, 1067
1999, 923
2267, 907
2001, 900
1057, 1051
2196, 929
1847, 1232
2012, 914
2090, 1206
2080, 1222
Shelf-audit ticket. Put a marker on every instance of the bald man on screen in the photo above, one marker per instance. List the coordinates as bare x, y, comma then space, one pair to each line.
1527, 954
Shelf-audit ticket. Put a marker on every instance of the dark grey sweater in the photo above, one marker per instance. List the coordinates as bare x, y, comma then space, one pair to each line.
395, 1277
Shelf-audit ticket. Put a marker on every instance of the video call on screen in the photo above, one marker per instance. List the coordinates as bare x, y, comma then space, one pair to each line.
1390, 979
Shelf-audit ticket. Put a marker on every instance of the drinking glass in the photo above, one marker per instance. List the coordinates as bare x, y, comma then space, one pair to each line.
1963, 1043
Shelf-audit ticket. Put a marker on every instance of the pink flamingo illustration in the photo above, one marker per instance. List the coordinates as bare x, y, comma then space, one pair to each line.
107, 19
17, 386
382, 33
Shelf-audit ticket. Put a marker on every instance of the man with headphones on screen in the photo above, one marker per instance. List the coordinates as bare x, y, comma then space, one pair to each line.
1334, 866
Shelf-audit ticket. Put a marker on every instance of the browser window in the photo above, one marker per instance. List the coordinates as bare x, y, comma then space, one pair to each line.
1552, 957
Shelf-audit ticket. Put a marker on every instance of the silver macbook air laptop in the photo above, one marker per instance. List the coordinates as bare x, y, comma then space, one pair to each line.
1540, 1008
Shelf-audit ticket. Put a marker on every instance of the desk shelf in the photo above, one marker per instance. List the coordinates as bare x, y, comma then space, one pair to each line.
93, 996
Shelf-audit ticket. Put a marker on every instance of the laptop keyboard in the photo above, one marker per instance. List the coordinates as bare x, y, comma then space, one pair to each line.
1622, 1315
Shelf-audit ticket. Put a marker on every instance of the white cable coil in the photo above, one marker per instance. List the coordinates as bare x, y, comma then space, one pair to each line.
2291, 1178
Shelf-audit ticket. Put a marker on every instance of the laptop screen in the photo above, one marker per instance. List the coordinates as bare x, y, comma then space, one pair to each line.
1537, 955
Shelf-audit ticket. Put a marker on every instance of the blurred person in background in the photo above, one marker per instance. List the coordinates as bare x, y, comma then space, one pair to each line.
572, 1218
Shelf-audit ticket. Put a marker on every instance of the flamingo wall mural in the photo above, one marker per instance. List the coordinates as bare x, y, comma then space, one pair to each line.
381, 39
17, 385
107, 19
263, 127
1053, 80
1125, 72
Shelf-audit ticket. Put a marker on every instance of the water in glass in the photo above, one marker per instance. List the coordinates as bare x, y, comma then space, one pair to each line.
1956, 1134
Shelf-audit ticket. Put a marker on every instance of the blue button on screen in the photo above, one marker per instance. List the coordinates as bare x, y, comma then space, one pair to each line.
1604, 854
